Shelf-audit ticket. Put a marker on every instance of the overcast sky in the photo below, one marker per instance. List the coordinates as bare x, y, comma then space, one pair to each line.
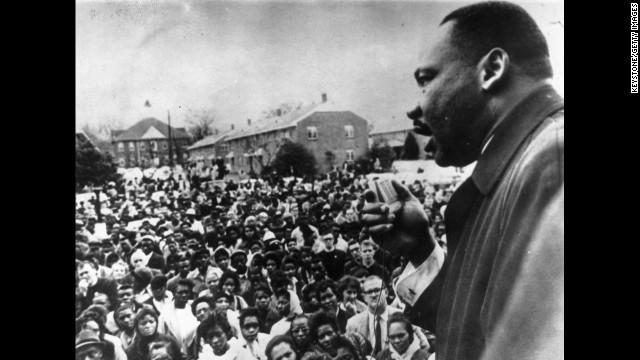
240, 58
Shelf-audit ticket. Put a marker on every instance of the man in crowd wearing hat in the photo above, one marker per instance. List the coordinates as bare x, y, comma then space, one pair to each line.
141, 280
183, 268
201, 264
89, 346
196, 225
155, 261
160, 296
239, 263
89, 284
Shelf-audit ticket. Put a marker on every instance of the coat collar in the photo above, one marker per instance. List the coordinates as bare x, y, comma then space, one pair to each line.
512, 131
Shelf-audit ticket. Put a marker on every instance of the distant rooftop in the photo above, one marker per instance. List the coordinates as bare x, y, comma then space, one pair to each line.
150, 129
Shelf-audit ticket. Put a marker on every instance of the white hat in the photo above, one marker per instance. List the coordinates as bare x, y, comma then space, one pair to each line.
191, 211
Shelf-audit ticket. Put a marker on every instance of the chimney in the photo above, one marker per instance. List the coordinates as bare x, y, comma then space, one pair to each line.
279, 112
249, 122
324, 97
232, 127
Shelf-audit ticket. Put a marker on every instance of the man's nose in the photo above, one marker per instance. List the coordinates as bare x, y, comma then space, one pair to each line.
416, 115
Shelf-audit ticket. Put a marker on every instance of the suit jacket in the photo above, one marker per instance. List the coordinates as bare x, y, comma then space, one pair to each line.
360, 324
491, 222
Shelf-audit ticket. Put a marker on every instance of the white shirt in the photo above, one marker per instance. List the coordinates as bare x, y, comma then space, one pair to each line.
383, 327
281, 327
414, 281
160, 305
258, 346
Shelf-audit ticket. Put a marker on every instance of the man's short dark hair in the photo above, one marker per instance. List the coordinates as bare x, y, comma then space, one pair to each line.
185, 282
480, 27
246, 312
202, 299
328, 284
158, 281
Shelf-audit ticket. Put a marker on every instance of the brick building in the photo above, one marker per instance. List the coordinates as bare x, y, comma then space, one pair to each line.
146, 144
332, 134
394, 133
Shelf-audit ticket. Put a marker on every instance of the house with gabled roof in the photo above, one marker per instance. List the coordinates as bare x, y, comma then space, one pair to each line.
334, 135
146, 144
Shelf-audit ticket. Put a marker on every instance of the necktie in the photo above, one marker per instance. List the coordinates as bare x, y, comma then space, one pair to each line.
378, 331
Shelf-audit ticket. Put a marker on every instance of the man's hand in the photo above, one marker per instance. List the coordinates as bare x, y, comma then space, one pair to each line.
405, 232
83, 287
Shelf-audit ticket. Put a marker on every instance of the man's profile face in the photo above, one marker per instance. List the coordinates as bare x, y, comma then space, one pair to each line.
88, 273
451, 101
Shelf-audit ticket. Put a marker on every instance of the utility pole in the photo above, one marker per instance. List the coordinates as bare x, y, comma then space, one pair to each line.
170, 149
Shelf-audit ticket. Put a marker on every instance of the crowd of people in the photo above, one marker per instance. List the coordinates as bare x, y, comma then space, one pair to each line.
270, 269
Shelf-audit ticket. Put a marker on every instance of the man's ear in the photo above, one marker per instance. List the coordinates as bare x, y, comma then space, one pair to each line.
493, 68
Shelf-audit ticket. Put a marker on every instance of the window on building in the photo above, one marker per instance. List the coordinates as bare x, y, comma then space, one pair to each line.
350, 155
164, 146
185, 155
312, 132
132, 161
143, 161
132, 146
121, 160
348, 129
121, 148
143, 146
153, 145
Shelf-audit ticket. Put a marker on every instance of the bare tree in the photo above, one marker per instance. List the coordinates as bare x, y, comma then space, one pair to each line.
200, 123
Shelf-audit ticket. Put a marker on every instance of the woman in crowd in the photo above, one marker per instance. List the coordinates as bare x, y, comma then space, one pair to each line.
400, 334
281, 347
94, 322
218, 342
323, 328
146, 327
230, 283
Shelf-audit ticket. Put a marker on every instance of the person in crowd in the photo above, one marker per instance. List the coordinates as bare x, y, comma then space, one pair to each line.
124, 317
89, 284
281, 347
184, 268
146, 327
323, 328
333, 259
177, 318
90, 347
216, 334
160, 296
202, 307
283, 302
268, 316
351, 291
252, 339
94, 322
330, 299
401, 338
230, 283
200, 266
212, 280
367, 249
